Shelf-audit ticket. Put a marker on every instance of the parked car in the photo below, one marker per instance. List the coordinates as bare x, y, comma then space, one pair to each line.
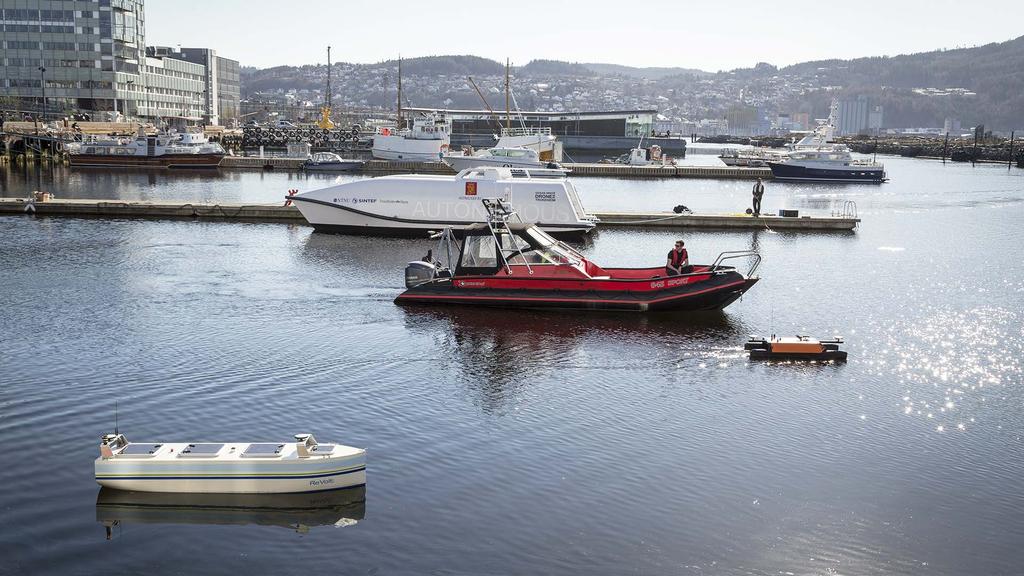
284, 124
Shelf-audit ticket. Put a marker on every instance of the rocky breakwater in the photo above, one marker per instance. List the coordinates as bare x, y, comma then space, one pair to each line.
957, 150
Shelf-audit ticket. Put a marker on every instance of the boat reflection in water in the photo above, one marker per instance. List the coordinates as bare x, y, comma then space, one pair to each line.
499, 364
299, 512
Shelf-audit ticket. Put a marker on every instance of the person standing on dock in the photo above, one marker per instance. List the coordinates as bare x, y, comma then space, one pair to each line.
758, 194
678, 260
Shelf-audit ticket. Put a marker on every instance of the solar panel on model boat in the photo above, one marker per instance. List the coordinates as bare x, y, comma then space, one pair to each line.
323, 448
140, 449
263, 450
200, 450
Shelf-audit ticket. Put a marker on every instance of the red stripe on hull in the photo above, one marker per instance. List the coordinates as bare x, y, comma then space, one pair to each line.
581, 300
711, 298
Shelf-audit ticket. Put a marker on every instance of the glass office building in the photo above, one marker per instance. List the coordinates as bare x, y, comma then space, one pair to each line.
91, 56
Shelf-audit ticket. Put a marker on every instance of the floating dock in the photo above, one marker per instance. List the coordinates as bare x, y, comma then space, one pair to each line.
742, 221
155, 210
623, 171
277, 212
381, 167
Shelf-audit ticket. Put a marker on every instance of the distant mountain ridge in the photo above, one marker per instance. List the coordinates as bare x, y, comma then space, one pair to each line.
978, 85
652, 73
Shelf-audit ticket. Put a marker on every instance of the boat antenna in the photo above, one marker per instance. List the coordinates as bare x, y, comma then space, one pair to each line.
115, 417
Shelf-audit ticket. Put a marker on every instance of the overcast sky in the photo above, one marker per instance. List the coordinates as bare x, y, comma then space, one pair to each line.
710, 35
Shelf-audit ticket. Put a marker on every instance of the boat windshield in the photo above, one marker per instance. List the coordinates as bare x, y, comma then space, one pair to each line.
479, 252
542, 249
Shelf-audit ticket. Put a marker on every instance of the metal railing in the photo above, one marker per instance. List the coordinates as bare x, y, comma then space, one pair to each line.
528, 131
844, 209
730, 255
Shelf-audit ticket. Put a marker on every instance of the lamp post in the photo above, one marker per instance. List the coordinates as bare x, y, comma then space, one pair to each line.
42, 84
129, 89
113, 67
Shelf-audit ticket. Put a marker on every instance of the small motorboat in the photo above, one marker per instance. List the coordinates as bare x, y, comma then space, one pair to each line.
506, 263
330, 162
794, 348
229, 467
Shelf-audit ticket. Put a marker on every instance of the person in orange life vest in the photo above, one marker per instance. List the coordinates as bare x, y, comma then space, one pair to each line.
678, 260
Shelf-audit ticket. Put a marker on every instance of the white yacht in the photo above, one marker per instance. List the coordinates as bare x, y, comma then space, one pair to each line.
498, 156
546, 144
827, 164
816, 158
416, 204
229, 467
426, 141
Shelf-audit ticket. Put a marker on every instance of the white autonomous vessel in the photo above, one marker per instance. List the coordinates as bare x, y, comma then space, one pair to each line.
416, 204
229, 467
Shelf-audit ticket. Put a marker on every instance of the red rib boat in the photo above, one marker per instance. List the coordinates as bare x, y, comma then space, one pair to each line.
516, 265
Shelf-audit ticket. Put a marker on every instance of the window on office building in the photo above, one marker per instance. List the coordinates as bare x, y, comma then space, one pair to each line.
22, 45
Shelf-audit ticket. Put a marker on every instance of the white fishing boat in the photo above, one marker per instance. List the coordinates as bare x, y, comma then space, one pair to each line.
417, 204
498, 156
229, 467
426, 141
536, 138
426, 138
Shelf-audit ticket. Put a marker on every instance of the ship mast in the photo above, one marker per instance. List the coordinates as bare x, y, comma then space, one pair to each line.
399, 92
508, 108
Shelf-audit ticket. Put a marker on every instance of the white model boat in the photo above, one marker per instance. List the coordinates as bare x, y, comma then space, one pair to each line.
229, 467
506, 157
416, 204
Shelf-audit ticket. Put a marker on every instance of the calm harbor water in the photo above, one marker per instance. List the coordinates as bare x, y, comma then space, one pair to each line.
523, 442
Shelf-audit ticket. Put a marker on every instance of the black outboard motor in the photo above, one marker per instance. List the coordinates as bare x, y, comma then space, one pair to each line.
419, 272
